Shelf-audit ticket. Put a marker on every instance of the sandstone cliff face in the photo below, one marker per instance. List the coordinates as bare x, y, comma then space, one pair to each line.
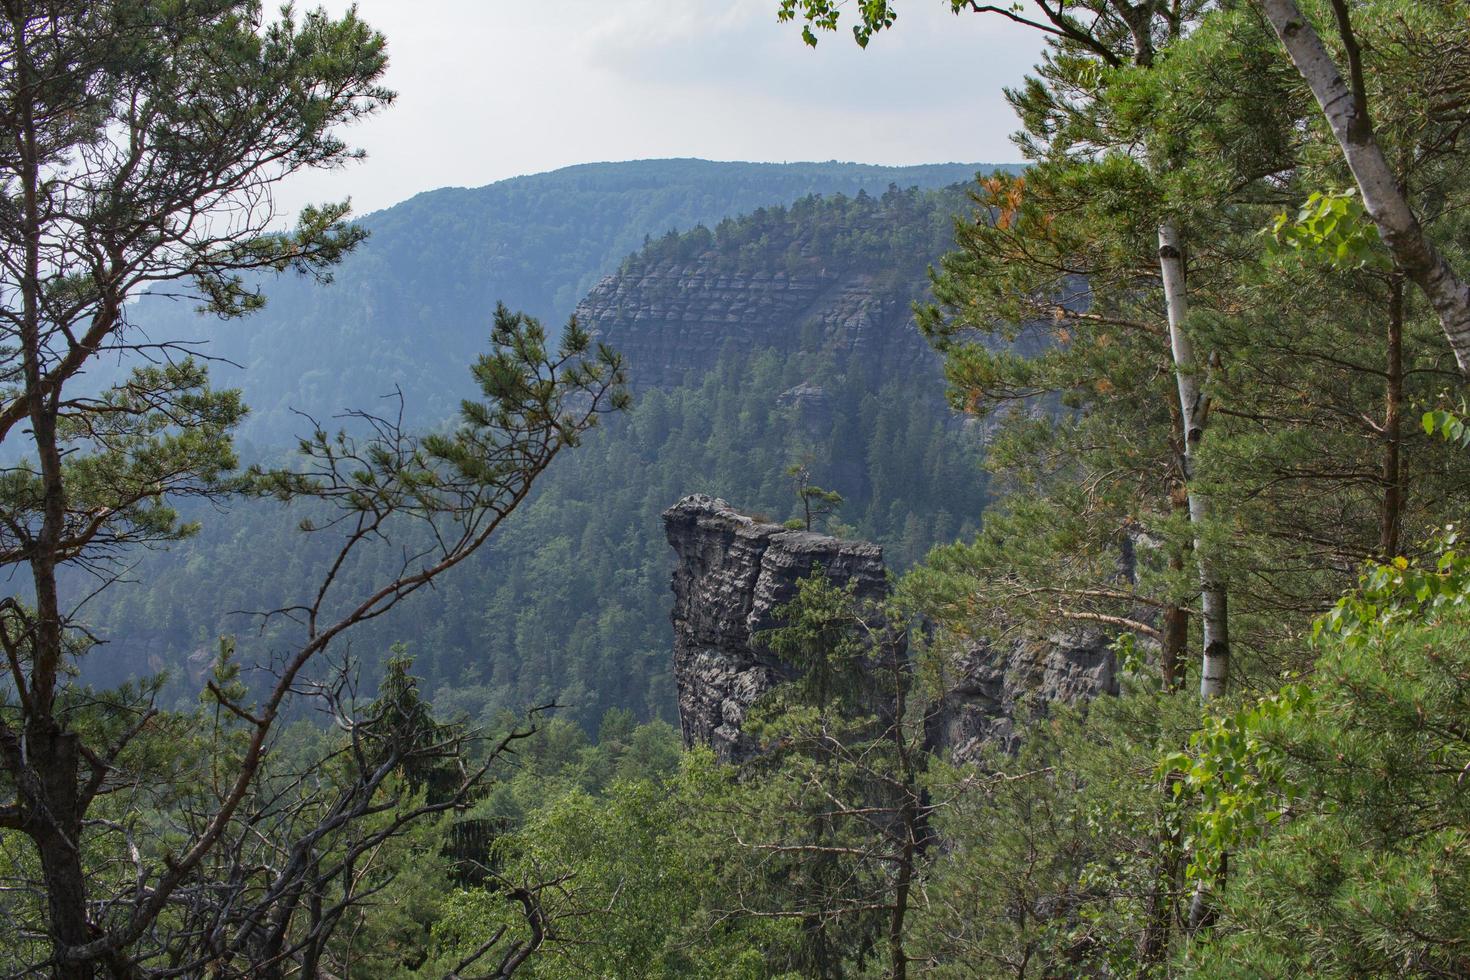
673, 321
730, 574
991, 688
732, 571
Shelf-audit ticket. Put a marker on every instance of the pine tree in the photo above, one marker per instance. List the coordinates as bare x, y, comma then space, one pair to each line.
144, 145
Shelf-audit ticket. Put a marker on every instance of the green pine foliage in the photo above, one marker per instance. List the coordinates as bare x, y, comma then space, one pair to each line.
1059, 854
1346, 800
638, 886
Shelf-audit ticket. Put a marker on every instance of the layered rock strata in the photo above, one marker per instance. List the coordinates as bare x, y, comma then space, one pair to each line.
672, 322
732, 571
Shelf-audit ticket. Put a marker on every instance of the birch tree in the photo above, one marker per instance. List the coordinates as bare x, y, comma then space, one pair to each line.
1344, 103
1116, 33
1194, 410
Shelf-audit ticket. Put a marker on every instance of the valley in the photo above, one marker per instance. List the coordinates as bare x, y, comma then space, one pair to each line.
680, 568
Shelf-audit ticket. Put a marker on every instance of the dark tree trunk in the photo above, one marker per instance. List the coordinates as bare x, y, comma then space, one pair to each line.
46, 777
1174, 652
1153, 943
1174, 640
1392, 511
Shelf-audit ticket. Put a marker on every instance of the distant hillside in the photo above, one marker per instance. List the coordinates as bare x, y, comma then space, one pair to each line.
571, 600
411, 307
837, 275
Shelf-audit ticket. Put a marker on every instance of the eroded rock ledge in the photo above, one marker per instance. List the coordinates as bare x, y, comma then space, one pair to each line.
732, 571
672, 322
989, 689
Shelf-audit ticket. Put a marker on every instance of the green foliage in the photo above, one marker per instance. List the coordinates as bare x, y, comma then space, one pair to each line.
1367, 869
823, 15
1052, 301
1237, 775
399, 719
832, 820
892, 236
816, 502
825, 642
1450, 426
1056, 856
637, 892
161, 437
1333, 228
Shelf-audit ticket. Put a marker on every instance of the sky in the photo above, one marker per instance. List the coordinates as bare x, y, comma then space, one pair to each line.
490, 89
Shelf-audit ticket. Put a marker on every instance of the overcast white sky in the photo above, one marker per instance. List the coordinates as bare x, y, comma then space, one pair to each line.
489, 89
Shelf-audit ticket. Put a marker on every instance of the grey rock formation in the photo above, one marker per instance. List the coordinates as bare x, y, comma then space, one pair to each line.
730, 574
812, 406
673, 321
732, 571
991, 688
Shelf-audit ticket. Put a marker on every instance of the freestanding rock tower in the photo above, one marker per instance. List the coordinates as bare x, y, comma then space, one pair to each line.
733, 571
731, 574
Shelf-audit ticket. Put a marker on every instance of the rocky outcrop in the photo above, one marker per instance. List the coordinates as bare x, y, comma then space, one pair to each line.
732, 571
730, 574
812, 408
990, 688
672, 322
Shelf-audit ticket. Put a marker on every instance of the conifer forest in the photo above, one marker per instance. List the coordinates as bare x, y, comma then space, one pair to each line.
1049, 567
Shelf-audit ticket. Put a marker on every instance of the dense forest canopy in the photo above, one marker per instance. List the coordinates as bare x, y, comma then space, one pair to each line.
1190, 384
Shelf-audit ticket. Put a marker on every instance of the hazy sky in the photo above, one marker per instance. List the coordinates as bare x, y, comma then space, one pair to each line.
489, 89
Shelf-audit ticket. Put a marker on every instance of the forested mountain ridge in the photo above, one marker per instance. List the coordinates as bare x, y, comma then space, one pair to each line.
1228, 297
570, 601
411, 306
831, 276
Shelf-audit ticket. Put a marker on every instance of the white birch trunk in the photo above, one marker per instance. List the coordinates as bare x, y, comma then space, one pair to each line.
1397, 225
1215, 662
